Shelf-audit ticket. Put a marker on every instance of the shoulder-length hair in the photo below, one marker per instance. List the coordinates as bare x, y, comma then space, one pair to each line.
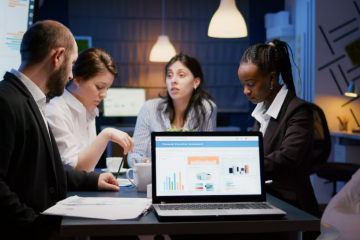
197, 97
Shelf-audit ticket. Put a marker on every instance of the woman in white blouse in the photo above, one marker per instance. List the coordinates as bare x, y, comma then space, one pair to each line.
72, 116
186, 106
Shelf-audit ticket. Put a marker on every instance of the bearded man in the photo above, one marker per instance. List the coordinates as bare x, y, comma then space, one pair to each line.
32, 177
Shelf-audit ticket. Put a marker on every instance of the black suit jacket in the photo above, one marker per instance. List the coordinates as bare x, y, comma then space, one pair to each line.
32, 177
287, 150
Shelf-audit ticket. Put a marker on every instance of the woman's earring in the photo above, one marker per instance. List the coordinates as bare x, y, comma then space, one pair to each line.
271, 85
195, 88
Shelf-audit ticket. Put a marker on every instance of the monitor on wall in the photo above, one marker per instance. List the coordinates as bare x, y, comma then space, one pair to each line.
83, 42
15, 18
123, 102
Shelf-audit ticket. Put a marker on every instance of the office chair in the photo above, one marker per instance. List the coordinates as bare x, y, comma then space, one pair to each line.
333, 172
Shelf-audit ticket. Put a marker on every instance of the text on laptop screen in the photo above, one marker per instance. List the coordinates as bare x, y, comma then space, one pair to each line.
213, 165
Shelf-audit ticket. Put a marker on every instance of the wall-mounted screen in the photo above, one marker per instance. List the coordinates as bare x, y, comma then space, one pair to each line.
123, 102
15, 18
83, 42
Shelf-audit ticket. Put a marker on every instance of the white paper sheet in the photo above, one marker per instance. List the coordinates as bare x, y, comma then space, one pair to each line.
124, 182
100, 208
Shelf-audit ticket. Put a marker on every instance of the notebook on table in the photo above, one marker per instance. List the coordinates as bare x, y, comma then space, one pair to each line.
209, 175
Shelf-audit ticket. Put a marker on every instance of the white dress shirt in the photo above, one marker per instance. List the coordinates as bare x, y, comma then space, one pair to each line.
263, 116
150, 119
35, 91
73, 127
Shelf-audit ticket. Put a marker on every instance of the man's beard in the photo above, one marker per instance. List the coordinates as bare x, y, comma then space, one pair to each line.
57, 81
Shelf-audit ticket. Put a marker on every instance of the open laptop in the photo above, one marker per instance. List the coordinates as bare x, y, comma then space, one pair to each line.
209, 174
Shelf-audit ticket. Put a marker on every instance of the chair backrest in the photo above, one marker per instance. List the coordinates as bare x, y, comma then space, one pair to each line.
322, 140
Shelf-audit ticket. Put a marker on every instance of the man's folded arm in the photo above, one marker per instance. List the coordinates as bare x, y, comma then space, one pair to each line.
82, 181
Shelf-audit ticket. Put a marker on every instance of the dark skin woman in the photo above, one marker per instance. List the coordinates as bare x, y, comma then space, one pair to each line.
285, 121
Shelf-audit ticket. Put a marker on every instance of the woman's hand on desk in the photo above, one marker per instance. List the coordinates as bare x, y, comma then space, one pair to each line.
107, 181
121, 138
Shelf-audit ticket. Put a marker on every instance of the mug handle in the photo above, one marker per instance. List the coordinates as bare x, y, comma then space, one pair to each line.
127, 176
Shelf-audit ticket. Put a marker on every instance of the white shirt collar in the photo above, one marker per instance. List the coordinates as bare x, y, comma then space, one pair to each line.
92, 113
275, 106
35, 91
74, 103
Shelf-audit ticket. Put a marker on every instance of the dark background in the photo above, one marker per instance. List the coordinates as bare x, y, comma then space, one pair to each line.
127, 30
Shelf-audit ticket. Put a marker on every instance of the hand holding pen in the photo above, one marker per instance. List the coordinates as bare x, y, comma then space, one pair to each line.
117, 174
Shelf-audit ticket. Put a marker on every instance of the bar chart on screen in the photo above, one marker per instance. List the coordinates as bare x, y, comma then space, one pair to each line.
174, 183
15, 18
13, 40
230, 186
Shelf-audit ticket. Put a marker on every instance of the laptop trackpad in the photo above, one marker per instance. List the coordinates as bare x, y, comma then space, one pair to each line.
210, 212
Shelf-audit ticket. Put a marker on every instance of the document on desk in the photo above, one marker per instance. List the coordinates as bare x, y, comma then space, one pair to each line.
100, 208
124, 182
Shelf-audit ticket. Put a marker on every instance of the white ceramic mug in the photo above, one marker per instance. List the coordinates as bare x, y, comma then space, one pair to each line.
113, 163
146, 159
141, 174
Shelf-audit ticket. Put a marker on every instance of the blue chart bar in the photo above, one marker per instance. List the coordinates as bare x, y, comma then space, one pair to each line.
13, 39
13, 46
173, 184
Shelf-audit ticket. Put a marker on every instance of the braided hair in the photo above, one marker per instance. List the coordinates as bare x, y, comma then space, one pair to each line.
272, 59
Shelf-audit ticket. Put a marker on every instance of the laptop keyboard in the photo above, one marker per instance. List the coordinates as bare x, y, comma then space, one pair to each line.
210, 206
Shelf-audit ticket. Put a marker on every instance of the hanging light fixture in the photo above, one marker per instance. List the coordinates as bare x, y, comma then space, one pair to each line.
163, 50
352, 90
227, 22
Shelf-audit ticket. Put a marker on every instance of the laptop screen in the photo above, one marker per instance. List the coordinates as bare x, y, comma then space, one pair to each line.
207, 165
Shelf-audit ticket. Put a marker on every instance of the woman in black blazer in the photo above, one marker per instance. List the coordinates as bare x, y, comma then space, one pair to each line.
285, 121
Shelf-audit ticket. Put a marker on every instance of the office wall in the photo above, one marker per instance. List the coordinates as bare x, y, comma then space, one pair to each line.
53, 9
128, 29
258, 9
185, 20
337, 24
332, 76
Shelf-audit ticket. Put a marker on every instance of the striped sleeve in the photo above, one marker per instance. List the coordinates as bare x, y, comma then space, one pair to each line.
142, 134
210, 120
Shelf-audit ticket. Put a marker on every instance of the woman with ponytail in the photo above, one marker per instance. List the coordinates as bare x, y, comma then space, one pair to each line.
285, 121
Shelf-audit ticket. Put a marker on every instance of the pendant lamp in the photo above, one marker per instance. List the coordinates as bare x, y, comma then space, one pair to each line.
163, 50
352, 90
227, 22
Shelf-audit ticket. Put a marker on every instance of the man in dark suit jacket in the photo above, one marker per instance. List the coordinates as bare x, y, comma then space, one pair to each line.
32, 177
